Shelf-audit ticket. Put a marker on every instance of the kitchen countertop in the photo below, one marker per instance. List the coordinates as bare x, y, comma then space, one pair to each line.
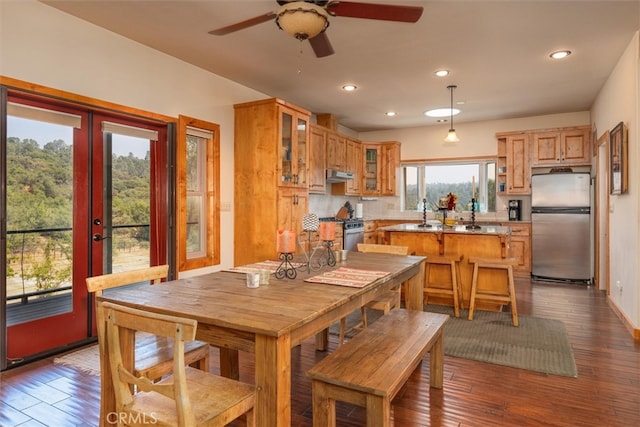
456, 229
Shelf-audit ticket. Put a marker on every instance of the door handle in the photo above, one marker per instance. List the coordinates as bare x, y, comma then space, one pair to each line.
98, 237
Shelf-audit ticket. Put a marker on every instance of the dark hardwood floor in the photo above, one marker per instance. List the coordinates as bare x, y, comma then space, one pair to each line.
606, 392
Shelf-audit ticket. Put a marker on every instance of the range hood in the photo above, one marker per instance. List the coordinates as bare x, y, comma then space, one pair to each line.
338, 176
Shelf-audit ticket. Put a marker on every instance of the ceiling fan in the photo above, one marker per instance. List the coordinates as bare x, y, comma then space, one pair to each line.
308, 20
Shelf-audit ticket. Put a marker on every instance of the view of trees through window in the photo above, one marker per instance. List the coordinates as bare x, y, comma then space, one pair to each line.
40, 206
435, 181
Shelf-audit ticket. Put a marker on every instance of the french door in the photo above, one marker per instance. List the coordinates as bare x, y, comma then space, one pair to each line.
86, 194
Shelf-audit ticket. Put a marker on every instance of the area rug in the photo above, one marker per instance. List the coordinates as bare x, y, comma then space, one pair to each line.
86, 359
538, 344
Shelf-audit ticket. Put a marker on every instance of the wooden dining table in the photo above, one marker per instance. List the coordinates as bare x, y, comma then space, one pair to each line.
267, 321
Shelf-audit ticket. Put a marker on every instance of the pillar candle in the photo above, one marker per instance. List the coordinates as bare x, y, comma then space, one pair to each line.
327, 230
286, 241
473, 186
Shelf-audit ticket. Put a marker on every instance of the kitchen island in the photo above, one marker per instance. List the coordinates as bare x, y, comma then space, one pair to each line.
439, 240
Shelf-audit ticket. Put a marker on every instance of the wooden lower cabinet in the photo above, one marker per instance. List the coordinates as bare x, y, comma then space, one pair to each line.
520, 247
370, 233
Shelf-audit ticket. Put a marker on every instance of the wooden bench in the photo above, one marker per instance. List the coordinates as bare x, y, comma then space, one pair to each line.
372, 367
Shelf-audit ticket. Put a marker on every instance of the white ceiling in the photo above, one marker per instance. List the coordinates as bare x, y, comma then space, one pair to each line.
497, 52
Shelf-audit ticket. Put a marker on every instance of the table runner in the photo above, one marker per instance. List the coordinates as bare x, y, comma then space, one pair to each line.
352, 277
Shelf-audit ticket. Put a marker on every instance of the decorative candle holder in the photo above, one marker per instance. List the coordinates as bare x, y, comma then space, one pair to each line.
331, 257
473, 225
424, 214
286, 269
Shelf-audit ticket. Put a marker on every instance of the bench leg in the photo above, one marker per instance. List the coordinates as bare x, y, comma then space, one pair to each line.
324, 408
436, 360
378, 411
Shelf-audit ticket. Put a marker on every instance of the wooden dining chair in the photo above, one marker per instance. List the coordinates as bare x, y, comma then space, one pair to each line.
153, 354
385, 302
188, 397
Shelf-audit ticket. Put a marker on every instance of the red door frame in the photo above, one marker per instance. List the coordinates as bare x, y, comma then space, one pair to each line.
28, 339
158, 198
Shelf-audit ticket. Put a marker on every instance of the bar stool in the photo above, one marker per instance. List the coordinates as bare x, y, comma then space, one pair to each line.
494, 296
454, 288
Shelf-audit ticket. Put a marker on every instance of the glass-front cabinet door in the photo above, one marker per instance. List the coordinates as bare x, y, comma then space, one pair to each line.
294, 157
372, 169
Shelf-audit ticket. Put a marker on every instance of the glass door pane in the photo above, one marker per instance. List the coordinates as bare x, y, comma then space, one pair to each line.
126, 203
46, 297
39, 219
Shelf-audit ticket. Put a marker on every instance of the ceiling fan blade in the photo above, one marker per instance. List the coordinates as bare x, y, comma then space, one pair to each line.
321, 45
383, 12
244, 24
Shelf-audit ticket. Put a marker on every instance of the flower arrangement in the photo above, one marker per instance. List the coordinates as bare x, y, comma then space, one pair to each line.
452, 199
448, 202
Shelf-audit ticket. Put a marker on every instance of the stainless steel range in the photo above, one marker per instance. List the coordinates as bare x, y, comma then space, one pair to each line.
353, 232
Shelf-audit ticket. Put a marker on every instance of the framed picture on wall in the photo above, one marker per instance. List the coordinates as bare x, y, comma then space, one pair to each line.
618, 159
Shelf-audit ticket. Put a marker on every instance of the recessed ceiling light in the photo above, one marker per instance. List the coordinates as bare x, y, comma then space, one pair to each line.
349, 87
390, 113
442, 73
442, 112
560, 54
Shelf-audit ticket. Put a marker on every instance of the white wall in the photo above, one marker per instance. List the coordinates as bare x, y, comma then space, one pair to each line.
618, 101
44, 46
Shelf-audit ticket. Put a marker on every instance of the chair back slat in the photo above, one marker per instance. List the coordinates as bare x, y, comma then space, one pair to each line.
98, 284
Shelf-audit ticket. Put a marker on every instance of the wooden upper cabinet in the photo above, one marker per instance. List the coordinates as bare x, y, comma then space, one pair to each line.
372, 169
293, 153
569, 147
336, 151
354, 165
381, 160
390, 163
317, 159
518, 170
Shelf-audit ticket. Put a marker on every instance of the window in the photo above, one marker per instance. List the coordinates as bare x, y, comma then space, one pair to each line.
434, 180
198, 172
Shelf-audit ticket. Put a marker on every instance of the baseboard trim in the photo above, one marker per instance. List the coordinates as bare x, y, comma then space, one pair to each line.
633, 330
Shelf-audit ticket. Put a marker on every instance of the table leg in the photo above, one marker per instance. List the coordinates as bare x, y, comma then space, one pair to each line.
229, 363
322, 340
436, 357
273, 381
414, 290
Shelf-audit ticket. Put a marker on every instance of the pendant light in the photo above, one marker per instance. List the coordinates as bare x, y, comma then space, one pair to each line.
451, 136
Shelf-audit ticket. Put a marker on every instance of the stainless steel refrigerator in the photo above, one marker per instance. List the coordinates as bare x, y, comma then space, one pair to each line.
561, 226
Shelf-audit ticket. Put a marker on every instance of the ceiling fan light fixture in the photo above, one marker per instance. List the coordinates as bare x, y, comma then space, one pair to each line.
451, 135
302, 20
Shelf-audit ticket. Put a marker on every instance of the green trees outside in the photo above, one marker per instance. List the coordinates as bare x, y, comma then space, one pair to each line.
40, 208
437, 190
